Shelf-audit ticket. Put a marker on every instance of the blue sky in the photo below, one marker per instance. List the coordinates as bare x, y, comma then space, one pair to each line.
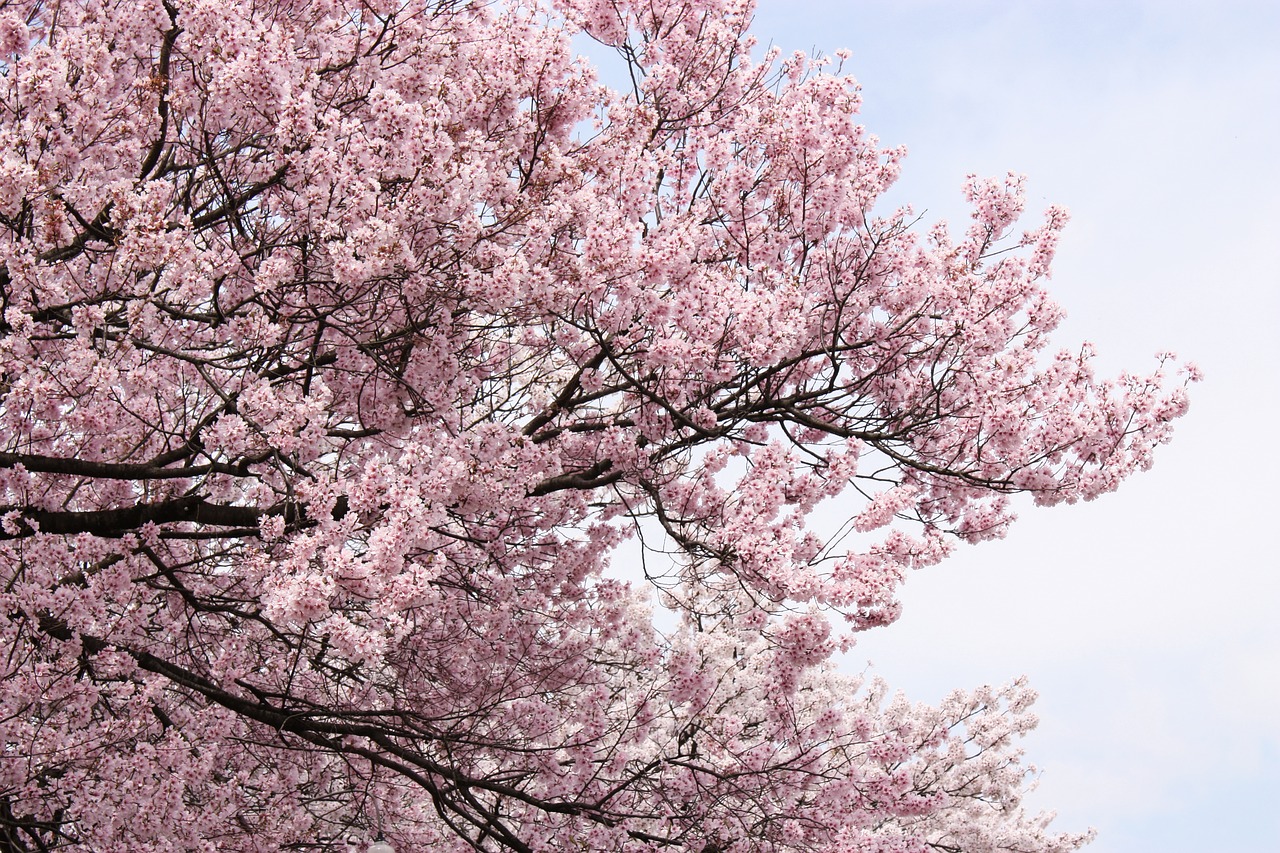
1147, 619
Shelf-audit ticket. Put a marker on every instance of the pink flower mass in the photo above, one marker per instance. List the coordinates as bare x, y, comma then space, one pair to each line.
352, 352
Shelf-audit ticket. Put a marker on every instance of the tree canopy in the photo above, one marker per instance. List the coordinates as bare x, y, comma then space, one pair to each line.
347, 348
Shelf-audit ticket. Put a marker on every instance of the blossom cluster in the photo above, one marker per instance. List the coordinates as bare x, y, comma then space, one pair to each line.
345, 347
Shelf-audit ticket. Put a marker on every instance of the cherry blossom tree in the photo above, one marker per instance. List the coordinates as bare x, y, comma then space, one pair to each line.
352, 351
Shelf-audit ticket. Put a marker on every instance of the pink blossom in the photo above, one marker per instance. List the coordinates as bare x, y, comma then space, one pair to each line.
346, 347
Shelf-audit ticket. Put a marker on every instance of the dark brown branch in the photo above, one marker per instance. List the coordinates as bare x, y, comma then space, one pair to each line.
599, 474
192, 509
161, 77
115, 470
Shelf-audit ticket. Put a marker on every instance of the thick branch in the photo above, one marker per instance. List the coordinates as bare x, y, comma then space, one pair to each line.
114, 470
191, 509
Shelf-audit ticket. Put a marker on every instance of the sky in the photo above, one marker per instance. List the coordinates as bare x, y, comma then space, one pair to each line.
1147, 619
